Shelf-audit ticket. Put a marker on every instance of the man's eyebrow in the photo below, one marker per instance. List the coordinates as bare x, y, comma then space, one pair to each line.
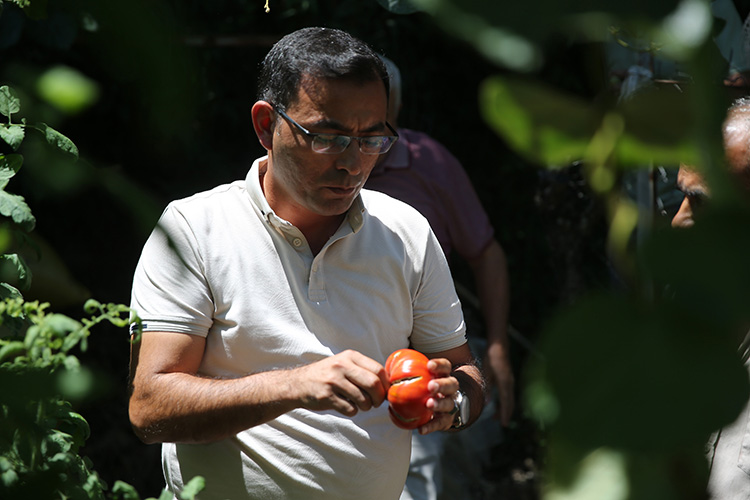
691, 192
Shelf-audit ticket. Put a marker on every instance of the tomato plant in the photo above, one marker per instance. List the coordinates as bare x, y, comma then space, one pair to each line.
407, 395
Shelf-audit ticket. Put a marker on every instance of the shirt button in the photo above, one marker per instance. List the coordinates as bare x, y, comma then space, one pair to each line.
297, 242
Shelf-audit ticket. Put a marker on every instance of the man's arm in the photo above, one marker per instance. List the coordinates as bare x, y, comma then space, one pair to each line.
491, 281
454, 370
170, 402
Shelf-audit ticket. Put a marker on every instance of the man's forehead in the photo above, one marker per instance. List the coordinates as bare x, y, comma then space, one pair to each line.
318, 88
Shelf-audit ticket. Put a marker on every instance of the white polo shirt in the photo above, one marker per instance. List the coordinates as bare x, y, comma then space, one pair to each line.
222, 265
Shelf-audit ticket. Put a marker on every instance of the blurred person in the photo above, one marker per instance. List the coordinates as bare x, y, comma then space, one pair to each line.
268, 305
729, 448
423, 173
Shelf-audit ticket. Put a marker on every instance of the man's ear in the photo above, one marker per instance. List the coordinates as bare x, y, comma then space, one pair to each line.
264, 123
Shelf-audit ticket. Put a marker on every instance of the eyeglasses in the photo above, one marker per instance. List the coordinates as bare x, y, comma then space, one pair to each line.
333, 144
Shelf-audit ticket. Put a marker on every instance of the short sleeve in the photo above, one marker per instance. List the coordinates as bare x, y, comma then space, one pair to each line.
170, 291
438, 317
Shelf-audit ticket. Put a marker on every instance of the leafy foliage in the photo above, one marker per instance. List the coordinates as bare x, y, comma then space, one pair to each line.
40, 433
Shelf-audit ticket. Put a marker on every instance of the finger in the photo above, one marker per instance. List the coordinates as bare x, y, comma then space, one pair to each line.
369, 388
447, 386
375, 388
439, 367
440, 404
439, 422
344, 405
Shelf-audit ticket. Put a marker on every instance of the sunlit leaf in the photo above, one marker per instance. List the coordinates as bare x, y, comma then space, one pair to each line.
9, 102
15, 207
603, 475
124, 491
12, 134
192, 488
56, 139
67, 89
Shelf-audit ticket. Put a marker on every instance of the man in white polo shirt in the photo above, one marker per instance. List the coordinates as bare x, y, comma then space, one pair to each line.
270, 304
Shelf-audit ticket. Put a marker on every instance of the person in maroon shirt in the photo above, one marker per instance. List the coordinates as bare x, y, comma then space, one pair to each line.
420, 171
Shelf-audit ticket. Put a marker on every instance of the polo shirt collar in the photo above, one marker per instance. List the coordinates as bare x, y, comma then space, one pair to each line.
355, 215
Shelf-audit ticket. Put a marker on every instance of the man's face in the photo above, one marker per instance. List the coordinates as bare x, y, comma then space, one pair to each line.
696, 192
305, 183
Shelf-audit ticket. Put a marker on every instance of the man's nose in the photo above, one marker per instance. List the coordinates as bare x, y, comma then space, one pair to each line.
684, 216
351, 159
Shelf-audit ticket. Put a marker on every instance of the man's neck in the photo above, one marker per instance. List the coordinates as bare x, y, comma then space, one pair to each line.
316, 228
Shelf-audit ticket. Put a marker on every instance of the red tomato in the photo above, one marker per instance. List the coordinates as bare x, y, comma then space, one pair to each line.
408, 374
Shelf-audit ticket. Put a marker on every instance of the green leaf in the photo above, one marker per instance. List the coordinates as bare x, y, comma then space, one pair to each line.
554, 17
123, 491
60, 324
14, 270
12, 134
554, 129
659, 127
9, 292
548, 127
56, 139
192, 488
626, 374
11, 350
9, 166
15, 207
9, 102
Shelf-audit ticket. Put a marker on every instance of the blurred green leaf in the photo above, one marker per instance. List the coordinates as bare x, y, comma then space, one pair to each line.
659, 128
75, 385
192, 488
626, 374
60, 324
12, 134
553, 16
705, 267
554, 129
123, 491
11, 350
67, 89
545, 125
399, 6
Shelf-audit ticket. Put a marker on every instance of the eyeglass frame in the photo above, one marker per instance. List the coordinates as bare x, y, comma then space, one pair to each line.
314, 135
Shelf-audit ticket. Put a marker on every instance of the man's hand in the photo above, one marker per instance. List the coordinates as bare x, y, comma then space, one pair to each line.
443, 388
346, 382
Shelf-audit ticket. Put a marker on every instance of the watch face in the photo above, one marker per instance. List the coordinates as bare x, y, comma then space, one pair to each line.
464, 410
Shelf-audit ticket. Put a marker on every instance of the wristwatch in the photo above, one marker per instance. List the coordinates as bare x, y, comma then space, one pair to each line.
460, 410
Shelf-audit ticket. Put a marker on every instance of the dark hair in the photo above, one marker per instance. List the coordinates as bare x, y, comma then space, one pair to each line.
320, 53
